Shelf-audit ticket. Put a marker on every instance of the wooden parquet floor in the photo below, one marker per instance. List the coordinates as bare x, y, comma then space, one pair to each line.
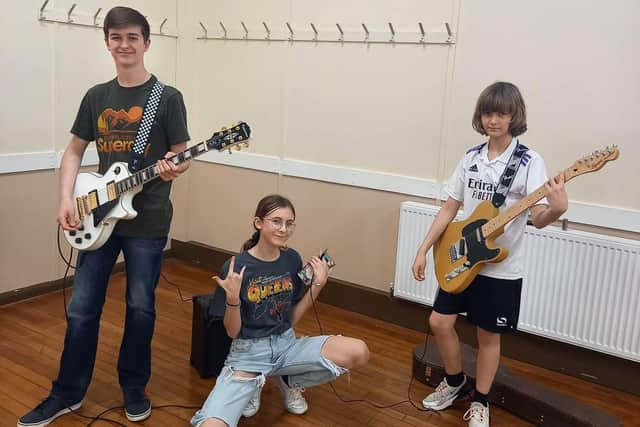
32, 334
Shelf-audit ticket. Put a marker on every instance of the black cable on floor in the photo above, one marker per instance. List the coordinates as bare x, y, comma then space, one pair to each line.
374, 404
176, 286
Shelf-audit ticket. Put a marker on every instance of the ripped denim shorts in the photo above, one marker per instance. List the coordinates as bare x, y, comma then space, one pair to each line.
300, 359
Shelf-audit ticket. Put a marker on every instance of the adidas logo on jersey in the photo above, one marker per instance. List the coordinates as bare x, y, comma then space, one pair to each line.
473, 168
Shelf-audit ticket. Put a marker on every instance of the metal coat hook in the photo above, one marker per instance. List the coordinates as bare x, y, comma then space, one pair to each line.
421, 32
95, 16
450, 38
223, 29
73, 6
162, 25
393, 33
366, 31
315, 32
42, 8
267, 30
246, 31
341, 38
290, 32
204, 28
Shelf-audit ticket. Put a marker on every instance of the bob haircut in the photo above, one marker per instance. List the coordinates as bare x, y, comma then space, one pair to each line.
501, 97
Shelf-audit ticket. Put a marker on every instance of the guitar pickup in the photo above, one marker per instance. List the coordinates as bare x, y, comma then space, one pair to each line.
458, 250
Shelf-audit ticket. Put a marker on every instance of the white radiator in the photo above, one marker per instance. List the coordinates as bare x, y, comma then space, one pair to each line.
580, 288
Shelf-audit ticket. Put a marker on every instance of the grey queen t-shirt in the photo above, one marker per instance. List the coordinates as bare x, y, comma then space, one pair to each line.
270, 290
110, 114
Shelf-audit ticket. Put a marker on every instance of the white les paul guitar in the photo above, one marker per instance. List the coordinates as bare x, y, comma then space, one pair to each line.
102, 200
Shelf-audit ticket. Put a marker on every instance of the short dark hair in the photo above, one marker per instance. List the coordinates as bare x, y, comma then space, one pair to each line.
120, 17
501, 97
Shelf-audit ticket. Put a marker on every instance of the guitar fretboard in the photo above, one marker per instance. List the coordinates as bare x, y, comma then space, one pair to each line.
151, 172
498, 222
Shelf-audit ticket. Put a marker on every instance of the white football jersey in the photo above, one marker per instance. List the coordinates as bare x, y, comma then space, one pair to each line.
476, 179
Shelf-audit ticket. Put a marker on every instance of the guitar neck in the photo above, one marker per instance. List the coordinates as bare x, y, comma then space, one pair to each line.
497, 223
151, 172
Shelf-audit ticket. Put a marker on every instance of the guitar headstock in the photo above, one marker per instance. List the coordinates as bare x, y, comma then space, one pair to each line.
592, 162
235, 136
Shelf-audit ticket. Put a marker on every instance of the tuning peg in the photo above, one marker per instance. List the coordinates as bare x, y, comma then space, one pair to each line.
238, 147
246, 144
230, 150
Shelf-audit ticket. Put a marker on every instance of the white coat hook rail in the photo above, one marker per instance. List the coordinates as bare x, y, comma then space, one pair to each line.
82, 19
286, 33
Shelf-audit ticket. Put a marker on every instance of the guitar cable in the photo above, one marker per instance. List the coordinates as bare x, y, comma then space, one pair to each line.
367, 401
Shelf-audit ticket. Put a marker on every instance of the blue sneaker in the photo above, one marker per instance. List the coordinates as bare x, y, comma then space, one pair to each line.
48, 410
137, 408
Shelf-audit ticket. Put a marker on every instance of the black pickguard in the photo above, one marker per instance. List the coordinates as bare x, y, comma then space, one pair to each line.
103, 210
477, 249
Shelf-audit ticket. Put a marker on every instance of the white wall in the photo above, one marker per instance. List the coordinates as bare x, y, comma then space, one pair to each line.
390, 117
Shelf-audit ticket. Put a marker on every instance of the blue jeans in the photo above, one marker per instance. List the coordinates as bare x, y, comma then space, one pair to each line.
143, 261
276, 355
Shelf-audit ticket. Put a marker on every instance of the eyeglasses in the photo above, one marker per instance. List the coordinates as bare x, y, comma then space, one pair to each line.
277, 223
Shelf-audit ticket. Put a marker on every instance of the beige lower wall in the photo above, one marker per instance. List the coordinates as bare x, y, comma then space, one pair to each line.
214, 205
28, 224
358, 226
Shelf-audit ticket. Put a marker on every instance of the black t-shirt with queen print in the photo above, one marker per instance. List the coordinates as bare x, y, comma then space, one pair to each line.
270, 290
110, 115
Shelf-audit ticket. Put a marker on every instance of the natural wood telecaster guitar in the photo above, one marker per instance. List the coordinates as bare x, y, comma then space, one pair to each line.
466, 246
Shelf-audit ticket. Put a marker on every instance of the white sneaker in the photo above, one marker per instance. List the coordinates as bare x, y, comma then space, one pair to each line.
444, 396
294, 401
254, 404
477, 415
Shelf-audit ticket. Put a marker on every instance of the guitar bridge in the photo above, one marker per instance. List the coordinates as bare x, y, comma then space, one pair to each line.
456, 272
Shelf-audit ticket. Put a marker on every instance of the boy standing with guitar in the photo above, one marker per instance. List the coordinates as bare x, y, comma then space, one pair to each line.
503, 171
111, 114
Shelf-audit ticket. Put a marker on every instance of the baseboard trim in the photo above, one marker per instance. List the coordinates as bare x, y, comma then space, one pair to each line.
588, 365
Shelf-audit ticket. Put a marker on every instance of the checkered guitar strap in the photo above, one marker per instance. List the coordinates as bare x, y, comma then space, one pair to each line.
150, 110
508, 175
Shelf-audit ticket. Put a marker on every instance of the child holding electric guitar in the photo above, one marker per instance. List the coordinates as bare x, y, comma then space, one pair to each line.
491, 177
132, 118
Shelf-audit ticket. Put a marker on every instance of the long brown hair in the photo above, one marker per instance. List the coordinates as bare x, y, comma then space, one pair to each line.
501, 97
265, 206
